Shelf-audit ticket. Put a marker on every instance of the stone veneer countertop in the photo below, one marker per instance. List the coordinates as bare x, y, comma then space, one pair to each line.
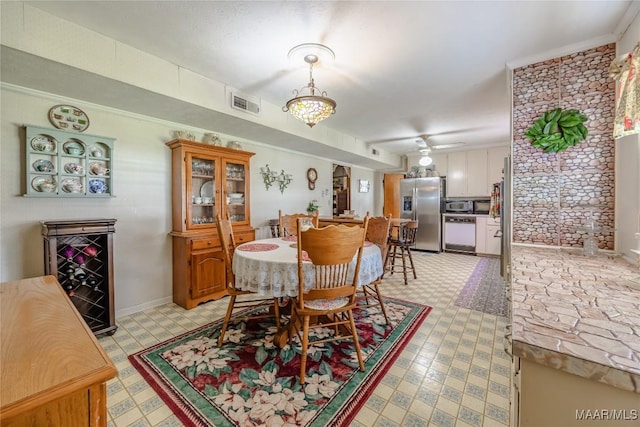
574, 313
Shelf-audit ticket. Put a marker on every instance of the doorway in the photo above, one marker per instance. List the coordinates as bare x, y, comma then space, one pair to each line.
392, 194
341, 186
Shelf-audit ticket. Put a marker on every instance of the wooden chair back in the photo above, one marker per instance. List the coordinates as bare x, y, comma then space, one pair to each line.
378, 233
289, 225
331, 249
408, 232
228, 243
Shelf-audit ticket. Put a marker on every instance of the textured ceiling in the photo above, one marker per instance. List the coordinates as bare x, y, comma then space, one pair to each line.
401, 69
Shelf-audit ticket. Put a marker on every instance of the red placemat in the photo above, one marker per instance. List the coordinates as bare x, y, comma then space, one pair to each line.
257, 247
305, 256
290, 238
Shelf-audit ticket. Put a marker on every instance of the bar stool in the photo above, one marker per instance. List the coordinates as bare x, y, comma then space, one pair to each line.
400, 246
274, 225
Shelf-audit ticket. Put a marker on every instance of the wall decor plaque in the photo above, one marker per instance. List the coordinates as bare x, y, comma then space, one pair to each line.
68, 117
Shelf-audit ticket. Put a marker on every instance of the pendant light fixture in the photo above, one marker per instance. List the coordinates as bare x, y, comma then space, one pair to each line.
316, 106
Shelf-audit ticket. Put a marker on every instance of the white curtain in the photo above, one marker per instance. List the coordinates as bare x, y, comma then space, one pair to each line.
625, 71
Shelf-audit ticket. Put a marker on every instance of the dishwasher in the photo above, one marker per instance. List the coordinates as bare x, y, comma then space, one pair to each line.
460, 233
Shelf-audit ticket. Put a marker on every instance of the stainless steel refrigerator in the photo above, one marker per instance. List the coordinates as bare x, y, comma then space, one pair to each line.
505, 220
422, 199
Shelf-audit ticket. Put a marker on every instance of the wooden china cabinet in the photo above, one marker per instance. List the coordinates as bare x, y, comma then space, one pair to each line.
206, 180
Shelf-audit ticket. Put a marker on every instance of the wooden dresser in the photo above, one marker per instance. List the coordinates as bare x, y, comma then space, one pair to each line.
53, 371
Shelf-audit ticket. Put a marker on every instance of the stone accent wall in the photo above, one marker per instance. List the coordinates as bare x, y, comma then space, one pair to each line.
554, 193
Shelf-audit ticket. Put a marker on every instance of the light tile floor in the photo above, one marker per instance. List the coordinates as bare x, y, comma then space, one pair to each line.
454, 371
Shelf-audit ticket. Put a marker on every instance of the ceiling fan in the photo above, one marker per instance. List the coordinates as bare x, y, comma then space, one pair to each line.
423, 144
425, 149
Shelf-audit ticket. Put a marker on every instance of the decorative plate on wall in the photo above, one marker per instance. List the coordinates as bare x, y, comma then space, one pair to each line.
43, 143
68, 117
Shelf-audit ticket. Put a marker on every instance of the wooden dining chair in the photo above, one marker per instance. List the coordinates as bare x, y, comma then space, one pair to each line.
328, 301
400, 246
378, 234
288, 223
227, 241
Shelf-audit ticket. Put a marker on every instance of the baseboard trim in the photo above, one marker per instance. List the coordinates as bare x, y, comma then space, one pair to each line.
141, 307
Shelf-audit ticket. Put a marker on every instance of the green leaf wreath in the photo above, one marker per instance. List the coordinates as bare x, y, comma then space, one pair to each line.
556, 130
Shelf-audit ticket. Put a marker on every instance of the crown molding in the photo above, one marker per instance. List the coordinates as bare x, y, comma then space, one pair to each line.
562, 51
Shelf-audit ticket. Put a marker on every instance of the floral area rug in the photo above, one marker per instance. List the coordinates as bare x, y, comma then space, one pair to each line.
251, 382
485, 289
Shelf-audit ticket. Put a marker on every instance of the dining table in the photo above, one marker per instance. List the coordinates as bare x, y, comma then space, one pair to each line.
269, 267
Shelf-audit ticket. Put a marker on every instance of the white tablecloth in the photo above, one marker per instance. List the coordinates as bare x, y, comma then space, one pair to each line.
275, 272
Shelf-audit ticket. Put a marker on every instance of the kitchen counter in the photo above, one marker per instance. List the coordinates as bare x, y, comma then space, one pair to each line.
576, 314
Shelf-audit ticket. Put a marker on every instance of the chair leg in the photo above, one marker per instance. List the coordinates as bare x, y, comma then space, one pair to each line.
293, 325
413, 268
404, 265
365, 293
393, 260
305, 344
386, 262
384, 311
356, 343
276, 311
227, 318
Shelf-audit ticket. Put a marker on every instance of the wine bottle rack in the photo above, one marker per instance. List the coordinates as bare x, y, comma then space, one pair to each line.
79, 254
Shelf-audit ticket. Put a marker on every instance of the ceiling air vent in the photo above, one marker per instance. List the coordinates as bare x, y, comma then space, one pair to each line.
245, 103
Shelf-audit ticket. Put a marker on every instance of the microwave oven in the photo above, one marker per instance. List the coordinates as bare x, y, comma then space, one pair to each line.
459, 206
481, 207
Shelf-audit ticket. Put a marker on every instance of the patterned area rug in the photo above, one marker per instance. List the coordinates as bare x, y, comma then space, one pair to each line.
485, 289
251, 382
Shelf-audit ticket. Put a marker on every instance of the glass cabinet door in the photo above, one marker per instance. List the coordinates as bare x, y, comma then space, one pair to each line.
201, 193
236, 193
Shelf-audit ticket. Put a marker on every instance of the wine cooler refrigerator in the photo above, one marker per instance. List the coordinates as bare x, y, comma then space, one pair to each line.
79, 253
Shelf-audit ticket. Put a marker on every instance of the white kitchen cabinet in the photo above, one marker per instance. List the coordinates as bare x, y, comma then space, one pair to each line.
481, 233
486, 241
468, 174
477, 173
457, 174
492, 237
439, 163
